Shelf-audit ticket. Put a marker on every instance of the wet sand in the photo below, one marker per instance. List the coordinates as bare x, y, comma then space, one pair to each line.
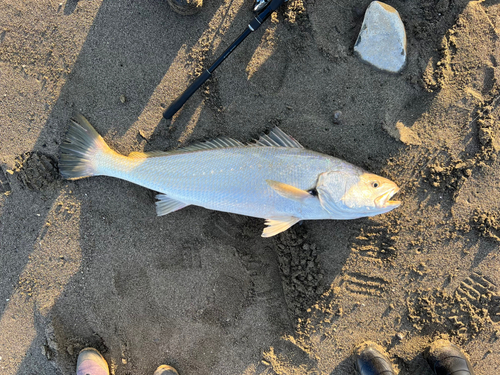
88, 263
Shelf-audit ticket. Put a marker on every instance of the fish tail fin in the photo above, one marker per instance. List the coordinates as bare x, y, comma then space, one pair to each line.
80, 150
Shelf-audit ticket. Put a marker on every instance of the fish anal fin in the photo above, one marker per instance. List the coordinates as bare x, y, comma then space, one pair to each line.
288, 191
166, 205
278, 225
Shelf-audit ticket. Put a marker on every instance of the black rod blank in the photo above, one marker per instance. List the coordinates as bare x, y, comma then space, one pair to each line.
252, 26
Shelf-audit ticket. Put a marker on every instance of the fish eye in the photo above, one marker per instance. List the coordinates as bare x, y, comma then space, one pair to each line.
313, 192
375, 184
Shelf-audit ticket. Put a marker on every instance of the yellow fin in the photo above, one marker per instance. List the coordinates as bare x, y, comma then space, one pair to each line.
278, 225
288, 191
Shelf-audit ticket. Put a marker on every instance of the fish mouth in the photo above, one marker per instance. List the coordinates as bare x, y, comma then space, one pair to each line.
384, 201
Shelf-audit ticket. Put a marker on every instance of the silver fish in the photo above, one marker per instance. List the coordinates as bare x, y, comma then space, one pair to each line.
273, 178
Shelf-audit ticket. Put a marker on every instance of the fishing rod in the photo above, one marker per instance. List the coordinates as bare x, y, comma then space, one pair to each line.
266, 7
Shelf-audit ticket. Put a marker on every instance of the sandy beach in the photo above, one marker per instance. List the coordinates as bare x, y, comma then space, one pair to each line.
88, 262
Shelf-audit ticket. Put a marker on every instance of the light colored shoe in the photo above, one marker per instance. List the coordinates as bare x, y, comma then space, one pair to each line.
91, 362
166, 370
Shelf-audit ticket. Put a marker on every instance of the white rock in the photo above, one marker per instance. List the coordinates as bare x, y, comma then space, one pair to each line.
382, 39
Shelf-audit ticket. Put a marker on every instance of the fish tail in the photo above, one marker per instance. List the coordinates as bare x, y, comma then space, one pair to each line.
81, 149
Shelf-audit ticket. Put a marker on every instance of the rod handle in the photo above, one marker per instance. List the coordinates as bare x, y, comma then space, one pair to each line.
179, 102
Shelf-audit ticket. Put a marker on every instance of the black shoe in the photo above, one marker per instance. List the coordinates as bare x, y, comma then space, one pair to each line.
447, 359
186, 7
371, 360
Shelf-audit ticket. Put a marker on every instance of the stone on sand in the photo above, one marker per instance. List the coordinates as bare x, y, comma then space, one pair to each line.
382, 39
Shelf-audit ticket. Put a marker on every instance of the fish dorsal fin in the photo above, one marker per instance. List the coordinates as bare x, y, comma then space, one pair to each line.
278, 225
166, 205
222, 142
288, 191
276, 138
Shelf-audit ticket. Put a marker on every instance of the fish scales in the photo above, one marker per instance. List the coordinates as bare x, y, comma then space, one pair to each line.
275, 178
233, 179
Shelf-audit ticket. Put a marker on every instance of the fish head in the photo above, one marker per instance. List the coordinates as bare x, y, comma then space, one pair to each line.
355, 193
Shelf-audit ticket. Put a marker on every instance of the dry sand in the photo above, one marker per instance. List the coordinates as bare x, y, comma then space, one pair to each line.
88, 262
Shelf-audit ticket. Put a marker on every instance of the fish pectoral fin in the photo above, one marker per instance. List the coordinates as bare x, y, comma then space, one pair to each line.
278, 225
166, 205
288, 191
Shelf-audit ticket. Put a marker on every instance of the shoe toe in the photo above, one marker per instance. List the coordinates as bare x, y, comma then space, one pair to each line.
371, 360
166, 370
91, 362
186, 7
447, 359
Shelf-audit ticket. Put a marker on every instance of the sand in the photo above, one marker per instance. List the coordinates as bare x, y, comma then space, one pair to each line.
88, 263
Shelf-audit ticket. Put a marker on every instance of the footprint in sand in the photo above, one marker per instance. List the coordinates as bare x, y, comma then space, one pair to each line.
36, 171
